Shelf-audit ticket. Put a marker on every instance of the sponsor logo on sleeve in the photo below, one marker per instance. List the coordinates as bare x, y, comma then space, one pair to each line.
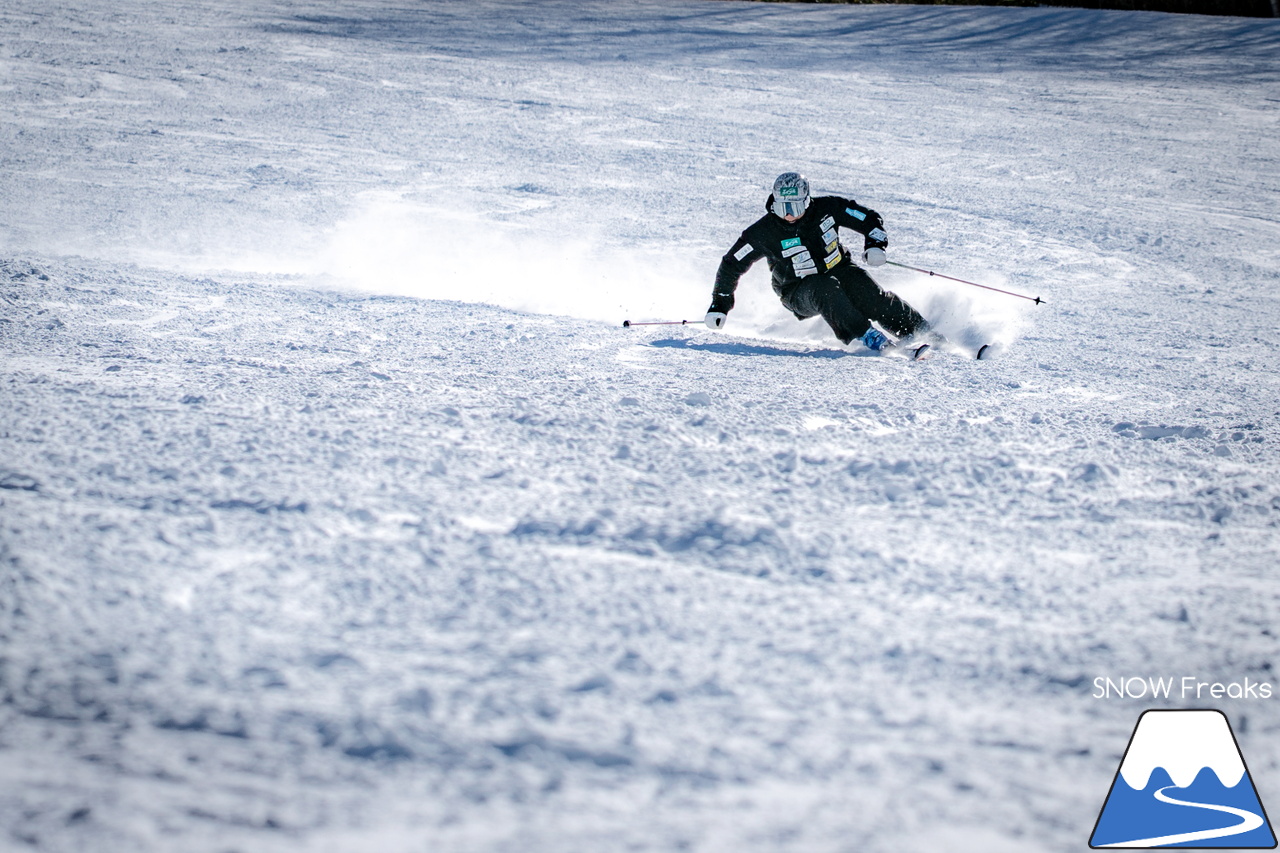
743, 252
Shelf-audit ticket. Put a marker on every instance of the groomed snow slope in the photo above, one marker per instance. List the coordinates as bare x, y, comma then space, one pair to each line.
338, 512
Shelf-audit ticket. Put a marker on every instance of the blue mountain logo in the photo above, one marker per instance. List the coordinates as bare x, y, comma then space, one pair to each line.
1183, 783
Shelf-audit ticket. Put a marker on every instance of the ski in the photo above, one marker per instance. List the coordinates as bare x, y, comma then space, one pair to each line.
919, 352
914, 352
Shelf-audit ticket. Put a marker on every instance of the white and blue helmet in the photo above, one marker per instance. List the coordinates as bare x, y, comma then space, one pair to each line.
790, 194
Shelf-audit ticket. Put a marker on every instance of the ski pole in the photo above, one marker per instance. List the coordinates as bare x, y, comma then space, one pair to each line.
1036, 299
627, 324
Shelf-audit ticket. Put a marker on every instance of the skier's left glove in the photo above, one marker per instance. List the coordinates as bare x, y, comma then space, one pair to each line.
873, 249
716, 319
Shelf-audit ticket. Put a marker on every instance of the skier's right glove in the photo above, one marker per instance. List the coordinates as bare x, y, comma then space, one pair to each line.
716, 319
874, 257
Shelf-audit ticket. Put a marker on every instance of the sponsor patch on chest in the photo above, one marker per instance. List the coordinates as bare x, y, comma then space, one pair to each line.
794, 241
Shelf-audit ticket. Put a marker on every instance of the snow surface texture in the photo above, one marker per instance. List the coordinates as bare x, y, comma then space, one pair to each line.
338, 512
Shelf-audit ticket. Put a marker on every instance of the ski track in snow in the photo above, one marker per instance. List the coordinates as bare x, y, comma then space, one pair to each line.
338, 512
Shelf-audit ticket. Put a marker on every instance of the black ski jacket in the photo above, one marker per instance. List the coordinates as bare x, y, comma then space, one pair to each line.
797, 249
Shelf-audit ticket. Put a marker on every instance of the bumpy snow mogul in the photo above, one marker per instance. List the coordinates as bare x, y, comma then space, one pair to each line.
1183, 783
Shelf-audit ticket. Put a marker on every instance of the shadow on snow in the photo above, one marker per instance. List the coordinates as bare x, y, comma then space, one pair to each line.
752, 349
781, 37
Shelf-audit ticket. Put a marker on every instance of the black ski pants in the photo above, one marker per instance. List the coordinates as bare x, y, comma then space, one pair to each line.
849, 299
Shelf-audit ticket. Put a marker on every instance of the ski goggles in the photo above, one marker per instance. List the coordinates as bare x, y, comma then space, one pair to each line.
794, 206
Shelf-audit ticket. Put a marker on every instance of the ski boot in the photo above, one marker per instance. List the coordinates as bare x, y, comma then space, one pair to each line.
874, 340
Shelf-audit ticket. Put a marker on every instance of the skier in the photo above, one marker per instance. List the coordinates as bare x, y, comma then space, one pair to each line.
813, 273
